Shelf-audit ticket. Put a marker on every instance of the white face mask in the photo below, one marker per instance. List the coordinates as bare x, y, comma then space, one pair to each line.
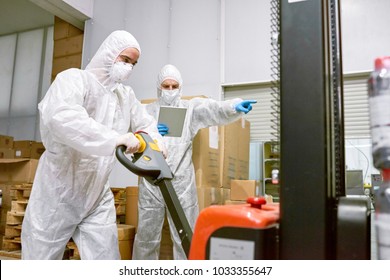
170, 96
121, 71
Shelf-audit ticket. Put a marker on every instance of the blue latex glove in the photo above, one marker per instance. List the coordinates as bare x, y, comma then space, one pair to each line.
162, 129
245, 106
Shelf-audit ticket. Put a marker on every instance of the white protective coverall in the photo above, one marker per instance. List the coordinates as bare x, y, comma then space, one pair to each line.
81, 116
201, 113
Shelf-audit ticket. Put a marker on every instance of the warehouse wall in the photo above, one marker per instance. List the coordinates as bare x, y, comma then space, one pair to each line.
365, 33
223, 41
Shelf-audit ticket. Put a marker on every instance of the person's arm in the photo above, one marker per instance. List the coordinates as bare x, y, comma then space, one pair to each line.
209, 112
140, 120
63, 113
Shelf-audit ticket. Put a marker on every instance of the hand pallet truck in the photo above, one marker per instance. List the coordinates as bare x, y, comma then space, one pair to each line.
247, 231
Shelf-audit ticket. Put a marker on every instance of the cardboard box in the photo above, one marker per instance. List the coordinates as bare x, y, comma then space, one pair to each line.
22, 148
208, 197
234, 155
206, 157
234, 202
6, 204
23, 144
6, 141
126, 235
243, 149
131, 215
229, 154
65, 62
28, 149
68, 46
225, 195
22, 153
166, 245
37, 149
7, 153
18, 170
242, 189
63, 29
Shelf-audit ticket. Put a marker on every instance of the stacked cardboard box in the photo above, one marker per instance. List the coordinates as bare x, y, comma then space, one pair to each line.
209, 196
166, 245
241, 190
28, 149
206, 157
124, 200
126, 234
132, 206
68, 46
6, 146
214, 176
17, 170
9, 148
234, 155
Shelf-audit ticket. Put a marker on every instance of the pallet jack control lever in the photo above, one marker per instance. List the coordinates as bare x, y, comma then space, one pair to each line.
150, 163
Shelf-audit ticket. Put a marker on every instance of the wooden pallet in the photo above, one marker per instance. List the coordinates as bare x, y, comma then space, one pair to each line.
120, 208
119, 194
13, 231
12, 244
120, 203
73, 251
19, 206
14, 219
20, 192
11, 254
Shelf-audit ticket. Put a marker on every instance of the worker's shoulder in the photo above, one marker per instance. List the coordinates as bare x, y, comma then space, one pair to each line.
197, 100
71, 73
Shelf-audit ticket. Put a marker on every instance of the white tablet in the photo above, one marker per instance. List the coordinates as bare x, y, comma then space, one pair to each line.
173, 117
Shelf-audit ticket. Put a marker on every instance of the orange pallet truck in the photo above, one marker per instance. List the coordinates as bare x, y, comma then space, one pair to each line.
246, 231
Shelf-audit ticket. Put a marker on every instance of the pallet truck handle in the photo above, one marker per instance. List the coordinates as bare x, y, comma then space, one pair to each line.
120, 154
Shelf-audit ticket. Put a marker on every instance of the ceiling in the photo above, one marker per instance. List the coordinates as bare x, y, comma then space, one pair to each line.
22, 15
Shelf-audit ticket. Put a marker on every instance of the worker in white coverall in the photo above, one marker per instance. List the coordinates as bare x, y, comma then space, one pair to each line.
201, 113
84, 116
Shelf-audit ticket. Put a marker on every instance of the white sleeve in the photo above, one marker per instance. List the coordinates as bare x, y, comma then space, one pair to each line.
209, 112
63, 114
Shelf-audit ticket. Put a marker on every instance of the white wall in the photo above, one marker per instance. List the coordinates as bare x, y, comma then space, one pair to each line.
84, 6
247, 45
26, 60
365, 33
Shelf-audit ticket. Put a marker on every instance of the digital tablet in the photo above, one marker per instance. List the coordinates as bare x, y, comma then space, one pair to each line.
173, 117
